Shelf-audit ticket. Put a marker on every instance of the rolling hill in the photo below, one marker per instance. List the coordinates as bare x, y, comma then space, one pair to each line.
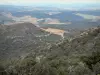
22, 38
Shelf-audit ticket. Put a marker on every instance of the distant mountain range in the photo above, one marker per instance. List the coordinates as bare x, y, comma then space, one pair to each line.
50, 40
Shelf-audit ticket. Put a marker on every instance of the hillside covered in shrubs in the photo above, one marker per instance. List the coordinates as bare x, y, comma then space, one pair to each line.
78, 56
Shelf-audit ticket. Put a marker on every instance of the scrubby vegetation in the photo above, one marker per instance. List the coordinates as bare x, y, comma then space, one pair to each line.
79, 56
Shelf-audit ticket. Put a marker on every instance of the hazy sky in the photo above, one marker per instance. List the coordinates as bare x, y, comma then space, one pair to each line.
46, 1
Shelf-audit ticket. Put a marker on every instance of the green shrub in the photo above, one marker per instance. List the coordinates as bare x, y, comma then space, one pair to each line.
91, 60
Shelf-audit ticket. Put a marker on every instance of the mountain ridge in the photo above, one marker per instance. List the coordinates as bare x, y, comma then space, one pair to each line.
15, 38
79, 56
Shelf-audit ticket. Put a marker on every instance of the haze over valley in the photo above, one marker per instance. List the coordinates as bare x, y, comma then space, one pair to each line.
42, 37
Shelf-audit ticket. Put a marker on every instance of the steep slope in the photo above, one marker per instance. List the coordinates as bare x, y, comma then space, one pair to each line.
21, 39
78, 56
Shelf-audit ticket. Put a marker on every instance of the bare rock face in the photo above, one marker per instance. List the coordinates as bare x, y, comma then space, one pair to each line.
55, 31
